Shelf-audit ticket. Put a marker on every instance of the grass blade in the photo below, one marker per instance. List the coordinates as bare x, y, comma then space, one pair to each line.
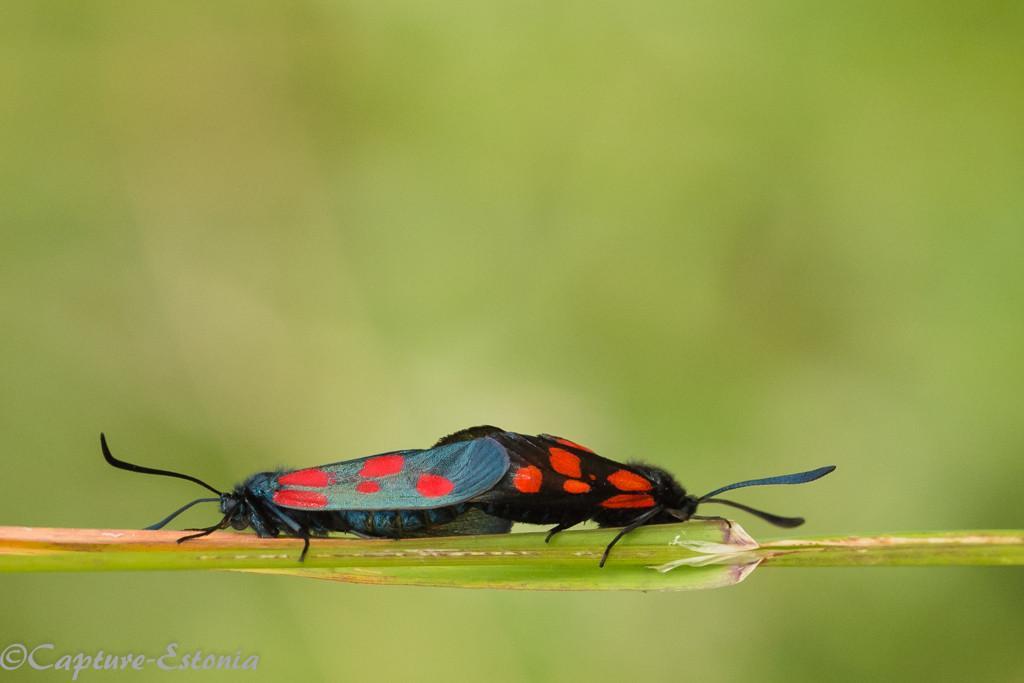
694, 555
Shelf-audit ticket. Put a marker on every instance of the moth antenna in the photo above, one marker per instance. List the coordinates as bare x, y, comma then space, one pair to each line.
797, 478
122, 465
785, 522
166, 520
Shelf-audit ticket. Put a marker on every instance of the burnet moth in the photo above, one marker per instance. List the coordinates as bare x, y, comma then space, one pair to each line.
552, 480
475, 481
390, 495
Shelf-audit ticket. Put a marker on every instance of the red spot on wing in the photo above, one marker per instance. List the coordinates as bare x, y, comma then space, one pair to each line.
575, 486
300, 499
624, 480
572, 444
527, 479
564, 462
434, 485
311, 477
367, 487
382, 465
629, 500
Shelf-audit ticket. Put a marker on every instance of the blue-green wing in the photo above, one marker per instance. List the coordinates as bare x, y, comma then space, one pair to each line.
401, 480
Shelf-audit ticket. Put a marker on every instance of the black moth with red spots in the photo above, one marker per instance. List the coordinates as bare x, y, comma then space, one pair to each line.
552, 480
475, 481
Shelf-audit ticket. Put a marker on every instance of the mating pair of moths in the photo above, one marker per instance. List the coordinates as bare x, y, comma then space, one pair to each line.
476, 481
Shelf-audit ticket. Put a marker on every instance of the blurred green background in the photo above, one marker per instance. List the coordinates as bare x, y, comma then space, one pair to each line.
732, 239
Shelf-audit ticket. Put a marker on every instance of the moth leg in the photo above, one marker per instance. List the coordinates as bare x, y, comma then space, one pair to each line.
202, 532
296, 529
223, 524
261, 525
562, 526
318, 527
638, 522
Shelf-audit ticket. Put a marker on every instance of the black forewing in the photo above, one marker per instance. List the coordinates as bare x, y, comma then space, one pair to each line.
562, 487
